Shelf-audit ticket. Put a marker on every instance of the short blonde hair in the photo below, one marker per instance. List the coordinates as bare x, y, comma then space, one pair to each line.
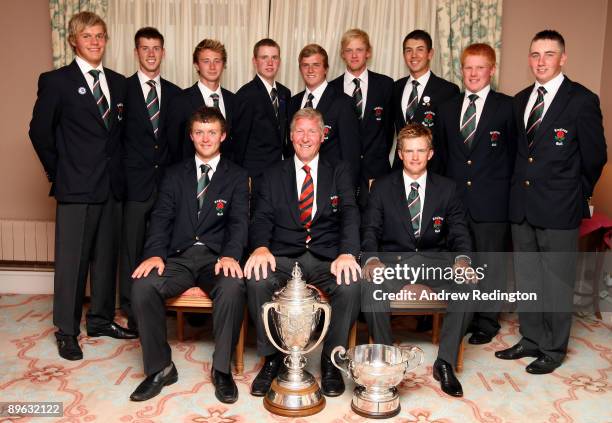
79, 22
311, 50
414, 130
352, 34
308, 113
208, 44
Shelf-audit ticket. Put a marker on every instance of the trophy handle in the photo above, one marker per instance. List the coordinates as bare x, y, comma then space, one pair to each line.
409, 354
326, 310
341, 351
265, 311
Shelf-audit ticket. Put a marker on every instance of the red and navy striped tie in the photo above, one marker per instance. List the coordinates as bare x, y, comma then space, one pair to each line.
306, 201
535, 116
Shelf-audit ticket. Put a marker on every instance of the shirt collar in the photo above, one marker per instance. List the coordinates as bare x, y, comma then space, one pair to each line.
348, 77
482, 94
207, 91
422, 80
553, 85
318, 92
314, 164
144, 78
421, 180
266, 84
213, 163
86, 67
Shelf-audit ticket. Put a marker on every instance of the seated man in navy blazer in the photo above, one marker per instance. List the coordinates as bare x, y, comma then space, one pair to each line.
411, 212
305, 212
197, 234
341, 137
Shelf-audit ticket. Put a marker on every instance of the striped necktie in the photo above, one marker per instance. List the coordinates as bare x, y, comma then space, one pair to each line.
153, 106
414, 207
413, 101
215, 99
306, 200
274, 98
358, 98
535, 116
468, 123
309, 101
101, 101
203, 183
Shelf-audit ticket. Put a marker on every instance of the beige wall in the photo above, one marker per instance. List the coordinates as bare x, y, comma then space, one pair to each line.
25, 31
23, 187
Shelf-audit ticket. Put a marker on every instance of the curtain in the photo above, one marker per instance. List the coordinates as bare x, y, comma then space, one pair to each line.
61, 11
461, 23
323, 22
184, 23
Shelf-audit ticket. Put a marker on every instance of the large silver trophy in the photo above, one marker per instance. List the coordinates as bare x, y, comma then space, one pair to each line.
377, 369
296, 310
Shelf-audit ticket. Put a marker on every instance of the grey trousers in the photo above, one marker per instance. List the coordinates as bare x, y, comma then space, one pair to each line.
194, 267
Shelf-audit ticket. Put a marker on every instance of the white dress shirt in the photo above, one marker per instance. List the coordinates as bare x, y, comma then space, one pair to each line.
85, 68
422, 181
317, 93
146, 88
551, 87
349, 86
479, 103
422, 80
300, 175
206, 92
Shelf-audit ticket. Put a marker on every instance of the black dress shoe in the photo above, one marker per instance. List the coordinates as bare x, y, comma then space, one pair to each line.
226, 390
443, 372
332, 384
261, 383
114, 331
479, 338
515, 352
153, 384
542, 365
68, 348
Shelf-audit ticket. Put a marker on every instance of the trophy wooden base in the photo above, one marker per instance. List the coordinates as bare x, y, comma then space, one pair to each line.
284, 401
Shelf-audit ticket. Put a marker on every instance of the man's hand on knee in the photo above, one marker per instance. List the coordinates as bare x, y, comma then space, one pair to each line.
146, 266
230, 266
346, 268
258, 262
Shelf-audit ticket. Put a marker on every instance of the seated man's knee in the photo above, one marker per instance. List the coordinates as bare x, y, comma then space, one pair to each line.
231, 287
142, 290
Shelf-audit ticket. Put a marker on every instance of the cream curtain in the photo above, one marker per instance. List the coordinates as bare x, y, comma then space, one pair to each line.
184, 23
295, 23
61, 11
461, 23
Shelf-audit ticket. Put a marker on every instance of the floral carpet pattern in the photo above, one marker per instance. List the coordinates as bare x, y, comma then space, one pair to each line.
97, 388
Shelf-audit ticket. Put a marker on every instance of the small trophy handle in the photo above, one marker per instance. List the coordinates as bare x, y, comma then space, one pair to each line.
341, 351
265, 311
409, 354
326, 310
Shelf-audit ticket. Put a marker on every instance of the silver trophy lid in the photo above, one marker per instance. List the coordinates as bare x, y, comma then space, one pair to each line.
296, 289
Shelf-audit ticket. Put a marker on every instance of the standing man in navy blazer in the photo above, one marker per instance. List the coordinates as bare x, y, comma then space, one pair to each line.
197, 235
305, 212
416, 97
412, 218
371, 93
341, 139
145, 152
76, 132
561, 153
261, 132
209, 61
476, 139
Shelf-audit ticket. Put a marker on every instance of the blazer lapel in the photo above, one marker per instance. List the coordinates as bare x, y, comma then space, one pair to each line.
401, 203
291, 189
398, 100
488, 111
112, 87
323, 188
267, 101
522, 104
88, 99
554, 110
195, 97
163, 106
457, 103
190, 182
429, 206
326, 99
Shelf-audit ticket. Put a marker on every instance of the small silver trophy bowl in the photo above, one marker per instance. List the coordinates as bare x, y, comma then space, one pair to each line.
377, 369
296, 310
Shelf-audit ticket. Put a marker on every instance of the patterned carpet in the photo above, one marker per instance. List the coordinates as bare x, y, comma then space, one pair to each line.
97, 388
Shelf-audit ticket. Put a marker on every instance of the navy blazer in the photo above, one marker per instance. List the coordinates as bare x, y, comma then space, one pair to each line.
376, 126
181, 108
342, 141
221, 225
80, 155
144, 155
554, 179
387, 224
483, 172
276, 222
260, 137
